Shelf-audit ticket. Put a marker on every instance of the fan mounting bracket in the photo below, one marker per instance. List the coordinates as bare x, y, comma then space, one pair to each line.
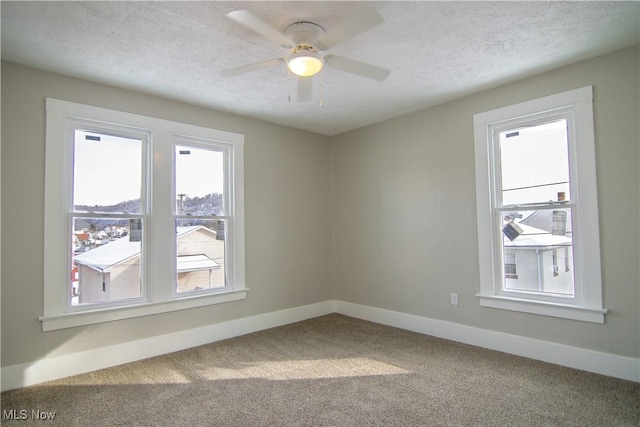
304, 33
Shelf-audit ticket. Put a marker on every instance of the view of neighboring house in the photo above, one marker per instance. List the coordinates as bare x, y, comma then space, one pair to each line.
112, 271
540, 258
200, 259
82, 241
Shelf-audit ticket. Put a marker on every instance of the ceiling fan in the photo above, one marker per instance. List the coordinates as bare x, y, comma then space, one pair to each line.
305, 40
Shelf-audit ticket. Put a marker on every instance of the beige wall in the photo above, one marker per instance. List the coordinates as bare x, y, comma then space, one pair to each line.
401, 195
404, 220
287, 206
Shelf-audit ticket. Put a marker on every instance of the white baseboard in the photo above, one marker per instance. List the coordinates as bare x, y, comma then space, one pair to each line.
47, 369
57, 367
597, 362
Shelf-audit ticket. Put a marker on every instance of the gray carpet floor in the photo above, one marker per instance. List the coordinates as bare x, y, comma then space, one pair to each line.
332, 371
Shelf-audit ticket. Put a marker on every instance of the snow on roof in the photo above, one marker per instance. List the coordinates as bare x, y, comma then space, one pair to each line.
181, 231
535, 238
544, 219
196, 262
109, 254
122, 249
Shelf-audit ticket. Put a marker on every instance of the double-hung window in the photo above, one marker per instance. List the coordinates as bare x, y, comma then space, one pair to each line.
202, 217
108, 214
537, 207
142, 216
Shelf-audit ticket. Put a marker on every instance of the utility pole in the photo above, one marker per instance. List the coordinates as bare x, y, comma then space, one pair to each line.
181, 204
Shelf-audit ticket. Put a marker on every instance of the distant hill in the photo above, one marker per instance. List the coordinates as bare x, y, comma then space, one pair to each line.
211, 204
128, 206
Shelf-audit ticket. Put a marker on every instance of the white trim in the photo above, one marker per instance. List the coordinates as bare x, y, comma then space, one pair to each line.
47, 369
577, 106
52, 368
612, 365
119, 312
566, 311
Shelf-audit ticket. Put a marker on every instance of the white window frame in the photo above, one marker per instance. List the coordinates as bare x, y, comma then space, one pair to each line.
159, 266
227, 204
71, 125
577, 106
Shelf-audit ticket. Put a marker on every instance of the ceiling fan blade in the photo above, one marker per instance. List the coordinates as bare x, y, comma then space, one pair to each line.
350, 27
257, 25
305, 88
352, 66
270, 63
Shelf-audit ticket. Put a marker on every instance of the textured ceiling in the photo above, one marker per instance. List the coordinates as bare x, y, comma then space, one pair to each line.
437, 51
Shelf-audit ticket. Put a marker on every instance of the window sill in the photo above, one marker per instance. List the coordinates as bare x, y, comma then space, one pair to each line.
89, 317
543, 308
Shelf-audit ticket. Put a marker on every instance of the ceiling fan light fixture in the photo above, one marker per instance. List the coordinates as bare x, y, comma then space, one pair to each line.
304, 62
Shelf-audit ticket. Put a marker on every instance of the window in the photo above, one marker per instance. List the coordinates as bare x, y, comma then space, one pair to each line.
536, 198
142, 216
510, 269
201, 216
107, 215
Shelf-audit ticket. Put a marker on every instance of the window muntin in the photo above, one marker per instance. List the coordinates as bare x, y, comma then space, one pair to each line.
569, 207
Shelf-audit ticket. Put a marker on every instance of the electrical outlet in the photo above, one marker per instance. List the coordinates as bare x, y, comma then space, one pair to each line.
454, 299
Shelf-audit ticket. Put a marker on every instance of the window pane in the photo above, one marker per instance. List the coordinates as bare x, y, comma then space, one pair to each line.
535, 244
534, 163
105, 260
201, 253
199, 181
107, 173
510, 269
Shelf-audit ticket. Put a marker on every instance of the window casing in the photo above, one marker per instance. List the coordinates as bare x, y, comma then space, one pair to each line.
507, 209
144, 280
